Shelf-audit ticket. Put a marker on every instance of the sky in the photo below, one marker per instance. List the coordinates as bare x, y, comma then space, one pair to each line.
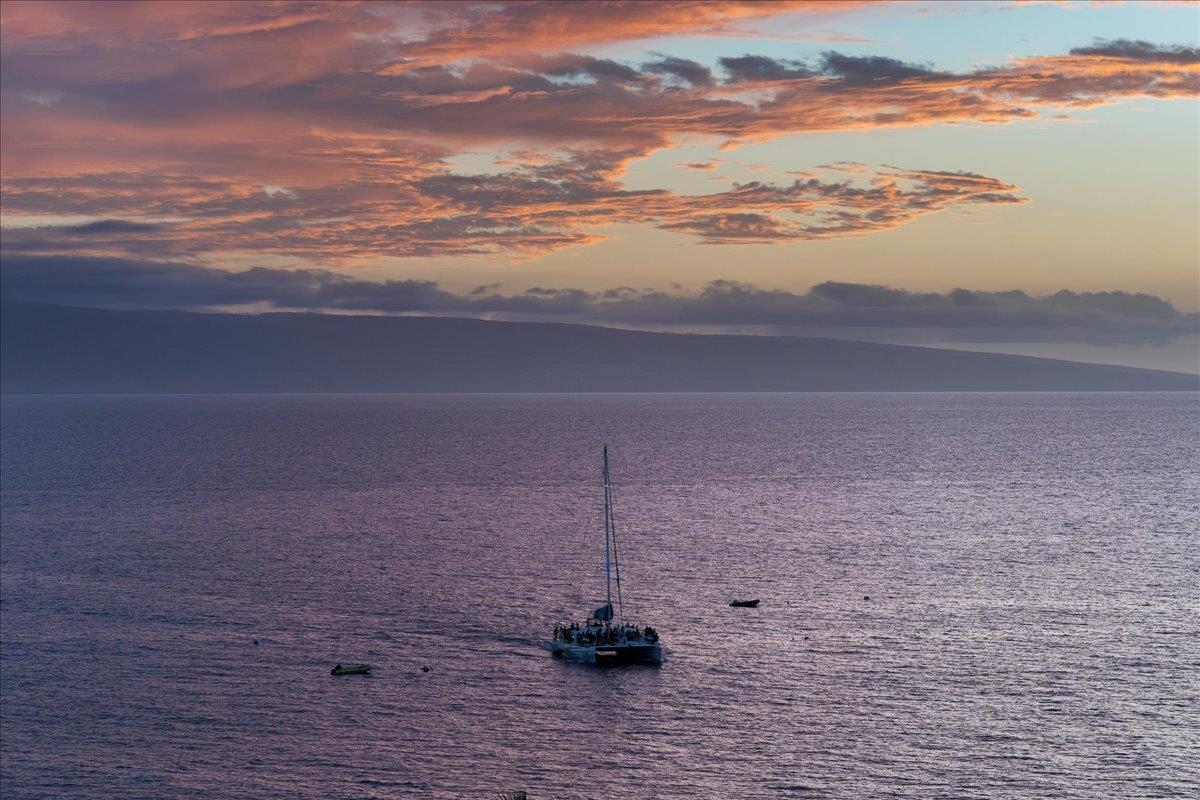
1011, 177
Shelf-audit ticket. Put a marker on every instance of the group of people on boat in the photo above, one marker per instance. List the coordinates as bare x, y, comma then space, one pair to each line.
603, 633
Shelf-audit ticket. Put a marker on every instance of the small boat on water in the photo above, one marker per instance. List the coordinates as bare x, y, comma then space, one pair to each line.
735, 603
603, 640
351, 669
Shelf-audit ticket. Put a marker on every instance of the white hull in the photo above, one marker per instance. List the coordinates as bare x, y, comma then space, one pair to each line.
609, 653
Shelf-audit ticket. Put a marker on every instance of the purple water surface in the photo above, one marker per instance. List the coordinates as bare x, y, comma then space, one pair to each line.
1032, 564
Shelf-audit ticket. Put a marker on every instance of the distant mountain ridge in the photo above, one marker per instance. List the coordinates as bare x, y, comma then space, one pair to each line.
71, 350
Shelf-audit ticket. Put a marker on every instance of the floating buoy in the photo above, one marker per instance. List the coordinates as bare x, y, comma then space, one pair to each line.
424, 669
866, 597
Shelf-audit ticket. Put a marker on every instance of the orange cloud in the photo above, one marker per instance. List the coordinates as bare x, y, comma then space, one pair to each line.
531, 209
519, 28
326, 131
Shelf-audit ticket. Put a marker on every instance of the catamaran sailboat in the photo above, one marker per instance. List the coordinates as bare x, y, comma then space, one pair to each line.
603, 640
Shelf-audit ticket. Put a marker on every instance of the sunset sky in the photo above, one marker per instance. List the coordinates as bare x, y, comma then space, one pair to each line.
1008, 177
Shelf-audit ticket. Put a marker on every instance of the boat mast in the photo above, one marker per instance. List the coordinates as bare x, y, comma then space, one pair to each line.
611, 531
607, 527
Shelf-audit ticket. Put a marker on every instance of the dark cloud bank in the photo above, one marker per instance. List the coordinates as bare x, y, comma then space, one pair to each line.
843, 309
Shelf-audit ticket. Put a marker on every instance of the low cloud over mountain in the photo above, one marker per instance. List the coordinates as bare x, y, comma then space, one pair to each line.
1107, 318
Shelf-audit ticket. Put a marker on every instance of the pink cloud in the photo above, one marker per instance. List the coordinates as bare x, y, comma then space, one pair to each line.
184, 112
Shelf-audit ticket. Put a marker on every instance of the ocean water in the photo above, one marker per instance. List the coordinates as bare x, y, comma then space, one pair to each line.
963, 596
